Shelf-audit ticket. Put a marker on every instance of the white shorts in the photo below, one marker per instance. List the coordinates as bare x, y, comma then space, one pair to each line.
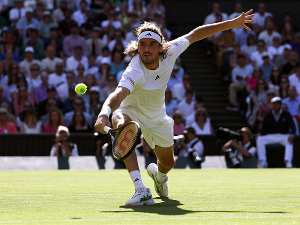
155, 133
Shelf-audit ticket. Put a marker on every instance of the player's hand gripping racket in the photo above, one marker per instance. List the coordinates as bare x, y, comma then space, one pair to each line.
124, 139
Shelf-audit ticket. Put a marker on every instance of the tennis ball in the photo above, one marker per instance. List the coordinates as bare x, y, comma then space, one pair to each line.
80, 88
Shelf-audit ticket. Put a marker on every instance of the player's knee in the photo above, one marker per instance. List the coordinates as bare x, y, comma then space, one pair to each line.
170, 163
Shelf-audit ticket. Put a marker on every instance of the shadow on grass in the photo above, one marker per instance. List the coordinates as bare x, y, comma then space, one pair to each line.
170, 207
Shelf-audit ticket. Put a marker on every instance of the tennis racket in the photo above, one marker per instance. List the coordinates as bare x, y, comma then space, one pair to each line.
124, 139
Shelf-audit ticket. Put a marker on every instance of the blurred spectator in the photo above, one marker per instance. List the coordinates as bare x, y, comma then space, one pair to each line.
9, 44
62, 147
275, 77
74, 40
265, 107
25, 64
275, 50
256, 57
269, 33
8, 59
58, 77
178, 122
93, 69
40, 92
103, 72
5, 126
173, 78
105, 54
250, 45
180, 88
10, 80
58, 13
7, 105
296, 43
34, 41
80, 15
65, 25
237, 150
46, 24
76, 59
104, 14
198, 104
202, 125
87, 27
266, 66
283, 87
39, 9
78, 123
68, 101
127, 60
17, 12
78, 3
2, 96
30, 125
51, 94
252, 81
234, 56
292, 101
170, 103
261, 15
95, 43
78, 104
238, 10
48, 64
65, 89
187, 104
111, 87
34, 79
294, 79
80, 73
287, 33
255, 99
27, 20
192, 147
21, 98
94, 105
112, 20
240, 74
141, 11
284, 57
290, 67
278, 127
117, 63
55, 119
211, 18
117, 39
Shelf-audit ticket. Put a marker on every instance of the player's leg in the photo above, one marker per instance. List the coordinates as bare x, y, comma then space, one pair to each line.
142, 194
165, 162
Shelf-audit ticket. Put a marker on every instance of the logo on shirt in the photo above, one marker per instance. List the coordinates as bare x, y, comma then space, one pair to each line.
176, 43
149, 34
131, 81
156, 77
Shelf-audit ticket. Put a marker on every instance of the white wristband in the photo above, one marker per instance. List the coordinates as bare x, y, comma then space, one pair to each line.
106, 110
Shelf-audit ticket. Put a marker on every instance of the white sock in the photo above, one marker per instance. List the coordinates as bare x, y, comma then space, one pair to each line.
136, 179
160, 176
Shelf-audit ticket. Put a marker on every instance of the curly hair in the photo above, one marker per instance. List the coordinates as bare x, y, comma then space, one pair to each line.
132, 47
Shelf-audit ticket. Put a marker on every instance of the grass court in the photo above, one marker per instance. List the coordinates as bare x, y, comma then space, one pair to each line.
232, 196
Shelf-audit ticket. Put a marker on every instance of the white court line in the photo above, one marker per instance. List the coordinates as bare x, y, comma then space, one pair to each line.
244, 182
144, 219
51, 195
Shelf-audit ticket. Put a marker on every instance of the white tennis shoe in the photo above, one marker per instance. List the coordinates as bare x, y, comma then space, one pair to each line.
142, 196
160, 188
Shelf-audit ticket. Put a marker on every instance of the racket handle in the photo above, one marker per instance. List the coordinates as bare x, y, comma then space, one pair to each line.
106, 129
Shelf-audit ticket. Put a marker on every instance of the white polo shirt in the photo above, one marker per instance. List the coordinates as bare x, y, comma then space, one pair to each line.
147, 87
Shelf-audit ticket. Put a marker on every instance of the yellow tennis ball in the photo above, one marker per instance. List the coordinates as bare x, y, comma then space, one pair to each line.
80, 88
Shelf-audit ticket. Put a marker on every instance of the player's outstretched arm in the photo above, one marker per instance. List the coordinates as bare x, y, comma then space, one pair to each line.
205, 31
112, 103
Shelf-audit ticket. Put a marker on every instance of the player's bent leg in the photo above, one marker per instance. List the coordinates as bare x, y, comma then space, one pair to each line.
158, 173
142, 195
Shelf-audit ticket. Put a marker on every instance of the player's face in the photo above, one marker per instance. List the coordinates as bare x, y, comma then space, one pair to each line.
149, 50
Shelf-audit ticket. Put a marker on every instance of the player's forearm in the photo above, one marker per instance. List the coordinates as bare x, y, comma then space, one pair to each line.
205, 31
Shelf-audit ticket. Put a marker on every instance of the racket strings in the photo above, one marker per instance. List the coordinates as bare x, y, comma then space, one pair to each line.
125, 140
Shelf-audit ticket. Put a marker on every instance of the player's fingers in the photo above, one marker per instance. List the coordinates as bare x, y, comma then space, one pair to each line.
247, 28
250, 11
249, 21
249, 16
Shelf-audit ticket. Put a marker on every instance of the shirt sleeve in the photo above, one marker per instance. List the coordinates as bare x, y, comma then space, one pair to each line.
178, 46
131, 78
75, 151
252, 151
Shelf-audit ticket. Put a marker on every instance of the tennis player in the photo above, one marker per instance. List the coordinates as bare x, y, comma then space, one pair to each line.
140, 97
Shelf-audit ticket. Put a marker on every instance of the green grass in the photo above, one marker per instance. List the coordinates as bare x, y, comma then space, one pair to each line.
269, 196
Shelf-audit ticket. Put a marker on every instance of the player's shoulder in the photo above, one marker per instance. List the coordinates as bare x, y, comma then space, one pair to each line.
134, 68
